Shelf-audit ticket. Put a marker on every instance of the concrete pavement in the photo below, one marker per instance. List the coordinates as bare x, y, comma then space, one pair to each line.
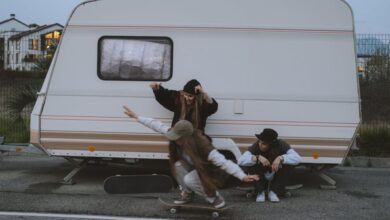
31, 184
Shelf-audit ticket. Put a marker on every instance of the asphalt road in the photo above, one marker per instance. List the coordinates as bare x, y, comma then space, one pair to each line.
30, 184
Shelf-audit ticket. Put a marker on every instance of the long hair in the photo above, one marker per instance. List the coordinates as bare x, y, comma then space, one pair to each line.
198, 148
198, 102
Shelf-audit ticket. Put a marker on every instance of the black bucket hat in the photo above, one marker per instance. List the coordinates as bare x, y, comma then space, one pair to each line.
189, 87
267, 136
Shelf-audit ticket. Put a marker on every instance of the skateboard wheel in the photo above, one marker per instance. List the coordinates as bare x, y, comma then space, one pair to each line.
249, 195
173, 210
215, 214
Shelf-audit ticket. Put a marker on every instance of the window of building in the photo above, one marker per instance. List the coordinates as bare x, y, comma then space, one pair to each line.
16, 58
52, 39
130, 58
33, 44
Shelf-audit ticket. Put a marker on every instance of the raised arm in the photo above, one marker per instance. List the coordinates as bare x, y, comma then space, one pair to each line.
151, 123
164, 96
210, 106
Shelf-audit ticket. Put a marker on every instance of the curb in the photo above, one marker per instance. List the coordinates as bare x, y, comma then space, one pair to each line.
360, 161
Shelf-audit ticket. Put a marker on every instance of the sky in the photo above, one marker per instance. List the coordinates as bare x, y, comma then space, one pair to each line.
371, 16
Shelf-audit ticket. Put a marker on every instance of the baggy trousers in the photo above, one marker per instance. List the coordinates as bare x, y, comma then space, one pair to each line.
277, 183
189, 179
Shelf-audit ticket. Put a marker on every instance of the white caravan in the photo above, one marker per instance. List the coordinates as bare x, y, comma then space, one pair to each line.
286, 65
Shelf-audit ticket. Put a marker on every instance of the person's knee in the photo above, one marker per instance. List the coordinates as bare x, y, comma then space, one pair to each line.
178, 163
188, 180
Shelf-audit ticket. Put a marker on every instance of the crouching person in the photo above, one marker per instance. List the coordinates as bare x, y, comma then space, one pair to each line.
200, 164
273, 160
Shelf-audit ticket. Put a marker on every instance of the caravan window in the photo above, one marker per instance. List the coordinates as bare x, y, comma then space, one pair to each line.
129, 58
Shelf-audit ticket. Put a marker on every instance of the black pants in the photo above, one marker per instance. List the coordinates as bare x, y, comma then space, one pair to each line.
279, 181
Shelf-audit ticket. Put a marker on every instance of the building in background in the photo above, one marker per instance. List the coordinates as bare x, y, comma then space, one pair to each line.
23, 46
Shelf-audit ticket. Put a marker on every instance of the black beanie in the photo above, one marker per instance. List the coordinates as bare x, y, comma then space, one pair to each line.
267, 136
190, 86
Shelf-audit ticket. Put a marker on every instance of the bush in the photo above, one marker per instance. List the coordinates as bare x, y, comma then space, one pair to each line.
14, 132
10, 74
374, 140
17, 97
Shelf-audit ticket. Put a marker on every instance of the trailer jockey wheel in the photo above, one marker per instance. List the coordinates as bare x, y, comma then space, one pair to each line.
173, 210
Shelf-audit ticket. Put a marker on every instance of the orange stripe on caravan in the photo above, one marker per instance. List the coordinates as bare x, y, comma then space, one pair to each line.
252, 29
157, 143
163, 148
248, 140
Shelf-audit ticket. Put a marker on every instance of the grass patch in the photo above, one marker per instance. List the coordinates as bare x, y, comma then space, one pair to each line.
15, 131
13, 102
373, 140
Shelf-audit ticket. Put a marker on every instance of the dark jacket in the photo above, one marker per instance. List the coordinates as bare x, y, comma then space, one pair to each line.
170, 99
211, 176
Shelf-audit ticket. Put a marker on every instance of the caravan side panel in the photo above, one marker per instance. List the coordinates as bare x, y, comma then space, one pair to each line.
288, 65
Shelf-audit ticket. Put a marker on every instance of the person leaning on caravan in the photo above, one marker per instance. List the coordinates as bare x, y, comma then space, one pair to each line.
273, 160
192, 103
200, 176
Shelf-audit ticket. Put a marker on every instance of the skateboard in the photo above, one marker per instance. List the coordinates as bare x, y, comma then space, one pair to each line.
127, 184
174, 208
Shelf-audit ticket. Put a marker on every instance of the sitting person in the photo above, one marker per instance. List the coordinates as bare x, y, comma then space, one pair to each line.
198, 169
273, 160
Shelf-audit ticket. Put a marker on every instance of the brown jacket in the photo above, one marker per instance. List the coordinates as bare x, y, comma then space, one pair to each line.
198, 148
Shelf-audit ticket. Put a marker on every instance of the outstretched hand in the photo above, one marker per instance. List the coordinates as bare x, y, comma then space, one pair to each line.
130, 113
251, 178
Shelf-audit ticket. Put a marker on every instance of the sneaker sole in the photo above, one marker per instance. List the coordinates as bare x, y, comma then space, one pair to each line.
220, 205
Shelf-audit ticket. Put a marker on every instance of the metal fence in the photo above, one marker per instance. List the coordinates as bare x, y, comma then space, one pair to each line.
17, 96
34, 53
374, 70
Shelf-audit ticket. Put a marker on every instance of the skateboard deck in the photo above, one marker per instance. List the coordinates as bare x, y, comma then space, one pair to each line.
127, 184
174, 208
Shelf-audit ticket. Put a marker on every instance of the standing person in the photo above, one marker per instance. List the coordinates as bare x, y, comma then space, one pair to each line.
273, 160
201, 177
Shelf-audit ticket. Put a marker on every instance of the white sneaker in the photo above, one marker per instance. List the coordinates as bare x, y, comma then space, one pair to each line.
185, 197
272, 197
260, 197
219, 202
